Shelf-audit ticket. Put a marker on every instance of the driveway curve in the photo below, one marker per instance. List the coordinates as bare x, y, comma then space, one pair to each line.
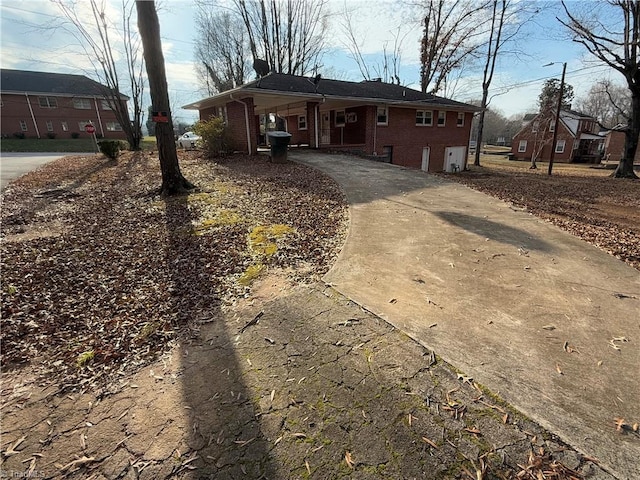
545, 320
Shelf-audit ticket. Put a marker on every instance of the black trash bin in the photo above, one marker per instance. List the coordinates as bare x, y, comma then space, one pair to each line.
279, 142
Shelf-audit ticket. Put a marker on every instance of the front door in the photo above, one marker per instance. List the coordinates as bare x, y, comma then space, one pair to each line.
425, 158
325, 131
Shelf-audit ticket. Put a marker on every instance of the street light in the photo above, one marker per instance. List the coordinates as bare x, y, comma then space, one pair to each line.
555, 127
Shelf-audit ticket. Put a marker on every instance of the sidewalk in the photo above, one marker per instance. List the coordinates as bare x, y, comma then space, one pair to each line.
548, 322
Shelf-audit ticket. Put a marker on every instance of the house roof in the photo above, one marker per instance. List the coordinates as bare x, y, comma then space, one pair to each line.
298, 88
21, 81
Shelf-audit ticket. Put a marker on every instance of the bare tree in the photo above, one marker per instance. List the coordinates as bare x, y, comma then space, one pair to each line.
95, 37
452, 32
289, 36
222, 51
613, 37
543, 134
606, 102
172, 180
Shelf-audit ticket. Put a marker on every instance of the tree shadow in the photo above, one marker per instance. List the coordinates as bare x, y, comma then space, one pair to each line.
224, 429
495, 231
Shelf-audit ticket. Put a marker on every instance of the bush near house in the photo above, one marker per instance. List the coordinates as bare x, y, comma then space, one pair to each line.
215, 137
111, 148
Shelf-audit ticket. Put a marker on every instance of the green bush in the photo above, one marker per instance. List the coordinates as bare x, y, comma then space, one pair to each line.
110, 148
75, 135
19, 135
51, 135
215, 136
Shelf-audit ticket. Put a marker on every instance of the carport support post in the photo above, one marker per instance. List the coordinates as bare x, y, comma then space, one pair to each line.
557, 120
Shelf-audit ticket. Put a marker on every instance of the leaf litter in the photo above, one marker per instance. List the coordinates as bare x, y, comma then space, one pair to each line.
96, 279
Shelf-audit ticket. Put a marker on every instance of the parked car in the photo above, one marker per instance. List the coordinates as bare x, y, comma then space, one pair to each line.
188, 140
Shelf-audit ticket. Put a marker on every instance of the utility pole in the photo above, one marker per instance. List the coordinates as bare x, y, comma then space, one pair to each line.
557, 120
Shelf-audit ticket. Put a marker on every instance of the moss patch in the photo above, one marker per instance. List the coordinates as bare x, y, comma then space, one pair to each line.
224, 217
250, 274
263, 238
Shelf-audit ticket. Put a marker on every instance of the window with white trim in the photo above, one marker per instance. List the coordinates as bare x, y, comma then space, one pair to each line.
522, 146
383, 116
424, 118
302, 122
113, 127
560, 144
105, 105
442, 117
65, 127
81, 125
534, 128
340, 118
48, 102
82, 103
460, 119
49, 126
552, 125
23, 125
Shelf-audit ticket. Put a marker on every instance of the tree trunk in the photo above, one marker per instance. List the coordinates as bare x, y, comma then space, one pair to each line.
172, 180
625, 167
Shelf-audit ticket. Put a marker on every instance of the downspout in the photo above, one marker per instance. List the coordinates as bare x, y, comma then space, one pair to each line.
375, 130
95, 100
33, 117
316, 125
246, 119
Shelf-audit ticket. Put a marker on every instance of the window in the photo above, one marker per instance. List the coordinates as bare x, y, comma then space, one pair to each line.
302, 122
424, 117
49, 126
460, 119
48, 102
383, 116
105, 105
441, 118
534, 128
82, 103
23, 125
65, 127
522, 146
340, 118
113, 127
552, 125
560, 146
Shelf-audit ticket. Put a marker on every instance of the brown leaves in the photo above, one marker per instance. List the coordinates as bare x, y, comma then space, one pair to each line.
112, 269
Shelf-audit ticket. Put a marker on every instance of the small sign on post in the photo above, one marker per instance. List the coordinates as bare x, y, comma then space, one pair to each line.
91, 130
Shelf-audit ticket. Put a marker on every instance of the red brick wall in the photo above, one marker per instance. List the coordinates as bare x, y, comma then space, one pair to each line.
297, 136
15, 108
236, 118
527, 134
614, 147
409, 139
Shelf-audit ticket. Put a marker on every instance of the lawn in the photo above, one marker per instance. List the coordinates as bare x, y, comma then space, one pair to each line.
70, 145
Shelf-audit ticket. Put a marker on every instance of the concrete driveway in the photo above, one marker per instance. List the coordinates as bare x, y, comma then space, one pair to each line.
547, 321
14, 164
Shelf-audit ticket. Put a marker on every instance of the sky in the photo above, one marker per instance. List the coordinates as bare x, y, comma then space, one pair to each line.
33, 38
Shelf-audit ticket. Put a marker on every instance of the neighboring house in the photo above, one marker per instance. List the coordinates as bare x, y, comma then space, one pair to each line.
613, 148
388, 122
577, 138
41, 105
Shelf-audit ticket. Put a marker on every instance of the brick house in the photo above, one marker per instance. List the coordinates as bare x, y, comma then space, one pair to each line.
577, 138
41, 104
385, 121
613, 148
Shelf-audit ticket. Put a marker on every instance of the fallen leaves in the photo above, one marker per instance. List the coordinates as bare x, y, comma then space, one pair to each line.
102, 274
348, 459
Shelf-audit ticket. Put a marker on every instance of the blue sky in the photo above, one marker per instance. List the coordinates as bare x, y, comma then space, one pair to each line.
26, 44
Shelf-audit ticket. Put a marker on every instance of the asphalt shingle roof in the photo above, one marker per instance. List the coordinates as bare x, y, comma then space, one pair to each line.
45, 82
338, 88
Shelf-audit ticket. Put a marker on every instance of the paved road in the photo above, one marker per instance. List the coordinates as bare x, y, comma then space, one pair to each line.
14, 165
549, 322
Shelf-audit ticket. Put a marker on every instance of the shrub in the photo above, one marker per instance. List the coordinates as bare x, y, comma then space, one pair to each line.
19, 135
215, 136
110, 148
75, 135
51, 135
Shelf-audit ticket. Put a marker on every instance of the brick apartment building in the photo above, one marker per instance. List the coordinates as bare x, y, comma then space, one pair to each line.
42, 105
388, 122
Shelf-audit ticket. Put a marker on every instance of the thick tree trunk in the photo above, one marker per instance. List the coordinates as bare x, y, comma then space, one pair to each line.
172, 180
476, 159
625, 167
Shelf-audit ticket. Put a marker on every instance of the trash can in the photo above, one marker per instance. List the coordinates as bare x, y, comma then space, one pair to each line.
279, 142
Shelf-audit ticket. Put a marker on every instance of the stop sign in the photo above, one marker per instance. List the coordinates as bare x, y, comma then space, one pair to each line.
89, 128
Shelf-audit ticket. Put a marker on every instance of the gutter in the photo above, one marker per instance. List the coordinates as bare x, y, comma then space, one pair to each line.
33, 117
246, 119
